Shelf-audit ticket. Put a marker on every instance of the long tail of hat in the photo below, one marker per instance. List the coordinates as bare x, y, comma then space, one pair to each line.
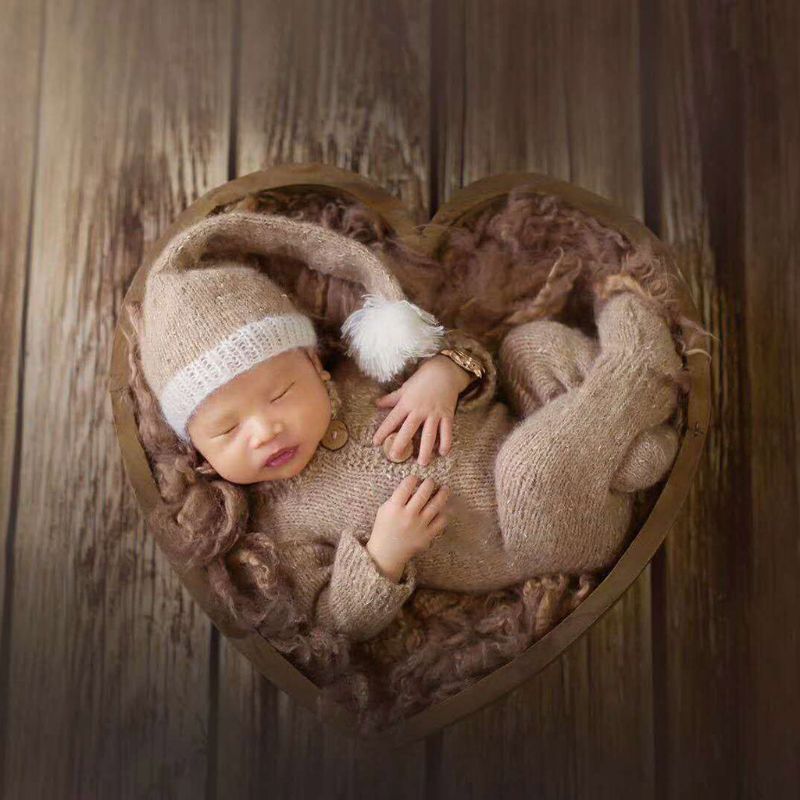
385, 334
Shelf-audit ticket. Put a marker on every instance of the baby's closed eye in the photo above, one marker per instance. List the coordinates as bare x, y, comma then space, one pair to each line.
283, 393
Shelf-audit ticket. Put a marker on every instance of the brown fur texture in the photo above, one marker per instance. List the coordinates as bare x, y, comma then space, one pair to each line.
530, 257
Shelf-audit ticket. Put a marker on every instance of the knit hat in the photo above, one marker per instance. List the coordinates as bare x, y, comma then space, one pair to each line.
208, 317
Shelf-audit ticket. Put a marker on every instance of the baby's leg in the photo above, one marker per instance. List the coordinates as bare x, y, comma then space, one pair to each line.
537, 361
540, 360
558, 474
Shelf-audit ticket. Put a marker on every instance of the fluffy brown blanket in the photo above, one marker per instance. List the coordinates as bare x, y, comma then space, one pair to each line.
530, 256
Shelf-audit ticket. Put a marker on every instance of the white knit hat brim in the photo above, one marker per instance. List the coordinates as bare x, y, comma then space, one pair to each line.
240, 351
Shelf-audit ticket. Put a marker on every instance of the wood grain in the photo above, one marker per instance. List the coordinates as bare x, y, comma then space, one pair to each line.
108, 658
116, 116
346, 84
20, 69
584, 724
696, 204
771, 103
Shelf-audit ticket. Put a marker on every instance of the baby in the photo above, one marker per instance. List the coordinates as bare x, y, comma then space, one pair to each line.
359, 522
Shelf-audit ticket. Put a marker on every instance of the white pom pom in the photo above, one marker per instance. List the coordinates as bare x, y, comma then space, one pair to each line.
386, 334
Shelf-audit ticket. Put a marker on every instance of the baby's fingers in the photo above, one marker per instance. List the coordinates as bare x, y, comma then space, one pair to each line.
404, 435
427, 441
389, 424
406, 487
436, 504
421, 496
437, 525
445, 435
388, 399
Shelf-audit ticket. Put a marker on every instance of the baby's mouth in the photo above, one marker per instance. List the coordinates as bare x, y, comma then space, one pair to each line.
283, 456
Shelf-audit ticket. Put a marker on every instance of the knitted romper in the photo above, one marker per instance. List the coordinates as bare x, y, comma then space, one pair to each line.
542, 484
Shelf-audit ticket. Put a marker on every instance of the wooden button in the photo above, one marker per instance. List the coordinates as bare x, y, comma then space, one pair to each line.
387, 447
336, 435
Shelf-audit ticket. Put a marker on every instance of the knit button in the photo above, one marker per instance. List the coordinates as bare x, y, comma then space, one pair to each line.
336, 435
387, 448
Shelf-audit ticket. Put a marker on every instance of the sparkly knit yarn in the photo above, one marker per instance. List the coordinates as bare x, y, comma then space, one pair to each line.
545, 490
209, 317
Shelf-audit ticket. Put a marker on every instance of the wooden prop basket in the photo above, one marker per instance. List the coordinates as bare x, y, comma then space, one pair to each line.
467, 201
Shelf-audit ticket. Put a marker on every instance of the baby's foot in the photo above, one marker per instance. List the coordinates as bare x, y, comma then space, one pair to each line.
647, 460
636, 345
629, 327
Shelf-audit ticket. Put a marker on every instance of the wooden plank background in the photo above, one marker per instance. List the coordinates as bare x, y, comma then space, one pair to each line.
115, 116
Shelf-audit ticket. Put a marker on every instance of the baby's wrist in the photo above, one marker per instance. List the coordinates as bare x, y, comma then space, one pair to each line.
462, 378
390, 564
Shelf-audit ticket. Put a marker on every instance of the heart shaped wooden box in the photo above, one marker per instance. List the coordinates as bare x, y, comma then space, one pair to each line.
467, 201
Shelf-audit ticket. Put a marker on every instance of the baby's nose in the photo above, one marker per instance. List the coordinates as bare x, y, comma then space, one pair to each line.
265, 432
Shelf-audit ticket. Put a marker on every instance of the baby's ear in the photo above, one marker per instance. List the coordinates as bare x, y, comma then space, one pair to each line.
314, 356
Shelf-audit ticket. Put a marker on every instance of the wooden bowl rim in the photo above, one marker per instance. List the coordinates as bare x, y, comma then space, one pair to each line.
469, 199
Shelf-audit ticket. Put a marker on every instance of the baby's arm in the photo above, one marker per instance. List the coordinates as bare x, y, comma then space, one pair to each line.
340, 587
407, 523
429, 392
479, 393
359, 595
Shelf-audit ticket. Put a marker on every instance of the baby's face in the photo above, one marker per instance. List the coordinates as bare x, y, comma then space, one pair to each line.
280, 403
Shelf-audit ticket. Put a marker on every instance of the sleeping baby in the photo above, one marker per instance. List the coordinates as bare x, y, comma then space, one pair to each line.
401, 466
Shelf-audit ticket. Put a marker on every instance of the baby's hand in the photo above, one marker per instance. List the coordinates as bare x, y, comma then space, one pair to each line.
429, 395
407, 523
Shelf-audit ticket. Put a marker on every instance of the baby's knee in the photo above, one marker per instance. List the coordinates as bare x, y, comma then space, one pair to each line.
548, 341
541, 359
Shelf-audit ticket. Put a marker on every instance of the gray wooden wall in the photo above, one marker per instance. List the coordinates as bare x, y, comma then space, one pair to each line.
116, 115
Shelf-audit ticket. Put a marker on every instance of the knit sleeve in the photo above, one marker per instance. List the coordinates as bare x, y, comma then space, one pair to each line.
478, 393
341, 588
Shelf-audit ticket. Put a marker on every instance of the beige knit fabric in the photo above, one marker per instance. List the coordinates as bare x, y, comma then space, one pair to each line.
556, 358
208, 317
531, 496
206, 326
